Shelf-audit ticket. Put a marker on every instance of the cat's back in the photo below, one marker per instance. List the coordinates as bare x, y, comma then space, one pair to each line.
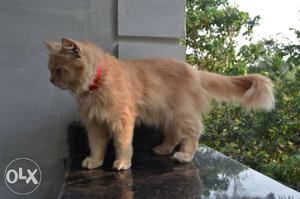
168, 69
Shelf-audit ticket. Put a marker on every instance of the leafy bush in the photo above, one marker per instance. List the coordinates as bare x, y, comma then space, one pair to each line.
268, 142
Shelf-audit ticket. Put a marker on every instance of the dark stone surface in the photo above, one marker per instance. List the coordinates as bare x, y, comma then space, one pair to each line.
210, 175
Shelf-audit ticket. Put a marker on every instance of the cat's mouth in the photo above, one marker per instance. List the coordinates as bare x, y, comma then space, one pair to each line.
62, 87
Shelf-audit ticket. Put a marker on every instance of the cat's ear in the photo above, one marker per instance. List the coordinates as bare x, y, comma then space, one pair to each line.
51, 45
71, 46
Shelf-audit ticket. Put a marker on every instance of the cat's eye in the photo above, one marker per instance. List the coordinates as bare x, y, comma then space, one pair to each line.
58, 71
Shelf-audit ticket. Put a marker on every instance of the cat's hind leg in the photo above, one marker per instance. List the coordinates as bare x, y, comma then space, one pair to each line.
190, 128
170, 141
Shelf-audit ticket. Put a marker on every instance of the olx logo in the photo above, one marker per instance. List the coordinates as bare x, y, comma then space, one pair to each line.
22, 176
19, 176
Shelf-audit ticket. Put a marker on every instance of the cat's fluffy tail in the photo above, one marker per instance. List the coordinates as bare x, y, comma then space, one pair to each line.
252, 91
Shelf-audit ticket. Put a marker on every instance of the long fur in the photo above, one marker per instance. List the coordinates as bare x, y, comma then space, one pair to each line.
168, 94
252, 91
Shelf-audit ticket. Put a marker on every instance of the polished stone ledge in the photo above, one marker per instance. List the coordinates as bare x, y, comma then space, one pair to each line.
210, 175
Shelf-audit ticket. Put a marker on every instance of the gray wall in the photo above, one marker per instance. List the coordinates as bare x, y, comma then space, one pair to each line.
34, 115
151, 28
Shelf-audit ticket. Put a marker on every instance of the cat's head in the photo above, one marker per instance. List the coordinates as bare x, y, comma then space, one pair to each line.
68, 63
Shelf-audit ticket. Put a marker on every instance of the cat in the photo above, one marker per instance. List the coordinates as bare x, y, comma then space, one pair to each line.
114, 95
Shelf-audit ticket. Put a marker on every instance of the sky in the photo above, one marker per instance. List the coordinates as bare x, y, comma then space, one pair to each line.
277, 16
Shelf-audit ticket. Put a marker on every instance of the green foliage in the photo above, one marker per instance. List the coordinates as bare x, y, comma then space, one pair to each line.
268, 142
270, 57
212, 27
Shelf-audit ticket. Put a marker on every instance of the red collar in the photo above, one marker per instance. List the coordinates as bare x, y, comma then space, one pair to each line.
95, 83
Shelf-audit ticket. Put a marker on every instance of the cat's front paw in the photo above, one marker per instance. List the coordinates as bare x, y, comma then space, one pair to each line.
122, 164
182, 157
91, 163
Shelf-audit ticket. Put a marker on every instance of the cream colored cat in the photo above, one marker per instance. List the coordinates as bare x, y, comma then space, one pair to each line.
114, 95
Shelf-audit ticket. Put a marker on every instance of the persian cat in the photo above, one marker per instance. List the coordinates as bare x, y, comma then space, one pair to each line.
114, 95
